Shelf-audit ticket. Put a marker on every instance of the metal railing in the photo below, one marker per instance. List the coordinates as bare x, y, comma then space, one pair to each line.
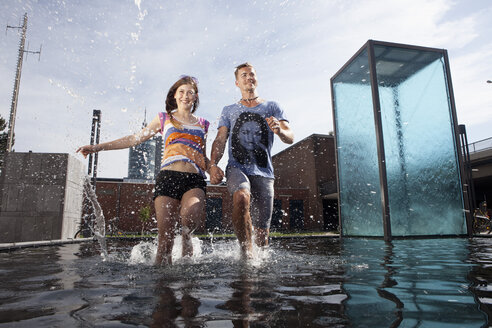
480, 145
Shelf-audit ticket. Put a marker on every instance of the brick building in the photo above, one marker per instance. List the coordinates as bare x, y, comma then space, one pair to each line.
310, 165
123, 201
305, 194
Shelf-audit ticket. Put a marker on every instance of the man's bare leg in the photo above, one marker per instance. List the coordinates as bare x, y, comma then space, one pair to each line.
241, 220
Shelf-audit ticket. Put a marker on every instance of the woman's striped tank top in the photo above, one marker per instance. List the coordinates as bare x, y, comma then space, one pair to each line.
186, 144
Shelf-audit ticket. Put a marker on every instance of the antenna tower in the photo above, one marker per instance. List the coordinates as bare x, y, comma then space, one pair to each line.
15, 95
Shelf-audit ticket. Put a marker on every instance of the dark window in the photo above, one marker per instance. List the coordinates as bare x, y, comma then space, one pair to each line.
277, 216
296, 211
214, 214
330, 214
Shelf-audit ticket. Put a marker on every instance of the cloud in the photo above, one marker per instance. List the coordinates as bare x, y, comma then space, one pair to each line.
473, 95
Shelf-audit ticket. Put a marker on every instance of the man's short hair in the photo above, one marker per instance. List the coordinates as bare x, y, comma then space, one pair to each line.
246, 64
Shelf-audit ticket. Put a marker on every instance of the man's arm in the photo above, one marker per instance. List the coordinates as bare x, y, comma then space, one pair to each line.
218, 147
282, 129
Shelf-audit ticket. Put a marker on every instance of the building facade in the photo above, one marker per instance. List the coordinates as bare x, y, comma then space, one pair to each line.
310, 165
144, 160
122, 203
305, 194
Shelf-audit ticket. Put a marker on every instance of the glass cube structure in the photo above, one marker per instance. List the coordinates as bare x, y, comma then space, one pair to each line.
398, 158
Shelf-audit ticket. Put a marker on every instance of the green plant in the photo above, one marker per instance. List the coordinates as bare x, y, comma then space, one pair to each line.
144, 215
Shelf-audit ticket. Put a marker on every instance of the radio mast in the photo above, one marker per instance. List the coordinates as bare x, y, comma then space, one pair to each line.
15, 95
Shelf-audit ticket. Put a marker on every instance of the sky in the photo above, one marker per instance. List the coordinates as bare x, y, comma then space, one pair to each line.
121, 57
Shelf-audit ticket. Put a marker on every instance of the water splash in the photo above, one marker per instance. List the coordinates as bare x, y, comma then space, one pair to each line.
217, 251
69, 91
99, 228
145, 251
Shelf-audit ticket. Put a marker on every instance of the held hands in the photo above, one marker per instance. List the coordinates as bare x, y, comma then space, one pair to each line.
216, 174
86, 150
274, 124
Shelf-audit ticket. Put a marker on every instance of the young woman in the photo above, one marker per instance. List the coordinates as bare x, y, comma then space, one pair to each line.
179, 195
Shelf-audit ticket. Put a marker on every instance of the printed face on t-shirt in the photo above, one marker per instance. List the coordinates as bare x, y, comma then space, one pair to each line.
249, 135
249, 139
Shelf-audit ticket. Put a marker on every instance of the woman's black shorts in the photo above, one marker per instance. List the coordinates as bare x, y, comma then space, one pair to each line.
174, 184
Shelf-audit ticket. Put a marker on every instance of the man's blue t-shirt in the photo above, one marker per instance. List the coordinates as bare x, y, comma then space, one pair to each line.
250, 138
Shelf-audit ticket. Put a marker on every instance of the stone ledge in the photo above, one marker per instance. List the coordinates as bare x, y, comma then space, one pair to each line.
25, 244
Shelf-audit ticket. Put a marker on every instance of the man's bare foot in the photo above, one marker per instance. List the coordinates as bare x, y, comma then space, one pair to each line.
246, 254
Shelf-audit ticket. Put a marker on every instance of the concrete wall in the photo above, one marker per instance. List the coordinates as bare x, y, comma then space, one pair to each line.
481, 162
40, 197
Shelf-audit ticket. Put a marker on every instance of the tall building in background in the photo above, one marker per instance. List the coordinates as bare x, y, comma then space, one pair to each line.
144, 160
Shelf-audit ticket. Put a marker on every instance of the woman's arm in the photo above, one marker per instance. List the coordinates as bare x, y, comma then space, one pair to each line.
126, 142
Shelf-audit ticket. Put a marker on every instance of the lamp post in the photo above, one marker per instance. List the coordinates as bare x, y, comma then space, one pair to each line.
96, 125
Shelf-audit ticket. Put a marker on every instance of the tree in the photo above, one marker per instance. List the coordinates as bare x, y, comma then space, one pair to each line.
3, 140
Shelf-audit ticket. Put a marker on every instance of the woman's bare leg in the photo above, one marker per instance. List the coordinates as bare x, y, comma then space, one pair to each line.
166, 212
192, 212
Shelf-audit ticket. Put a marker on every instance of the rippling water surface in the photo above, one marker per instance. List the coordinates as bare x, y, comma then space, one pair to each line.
306, 282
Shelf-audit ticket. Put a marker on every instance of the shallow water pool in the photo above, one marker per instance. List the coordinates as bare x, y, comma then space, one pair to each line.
299, 282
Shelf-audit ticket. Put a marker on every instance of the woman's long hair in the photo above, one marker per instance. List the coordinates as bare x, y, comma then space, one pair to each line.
238, 151
171, 104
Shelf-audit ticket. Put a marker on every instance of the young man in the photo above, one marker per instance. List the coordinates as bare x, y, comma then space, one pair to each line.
250, 125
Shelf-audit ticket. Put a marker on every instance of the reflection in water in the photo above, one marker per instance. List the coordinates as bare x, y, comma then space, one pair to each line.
389, 282
38, 283
409, 283
481, 274
240, 302
252, 299
324, 282
169, 307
